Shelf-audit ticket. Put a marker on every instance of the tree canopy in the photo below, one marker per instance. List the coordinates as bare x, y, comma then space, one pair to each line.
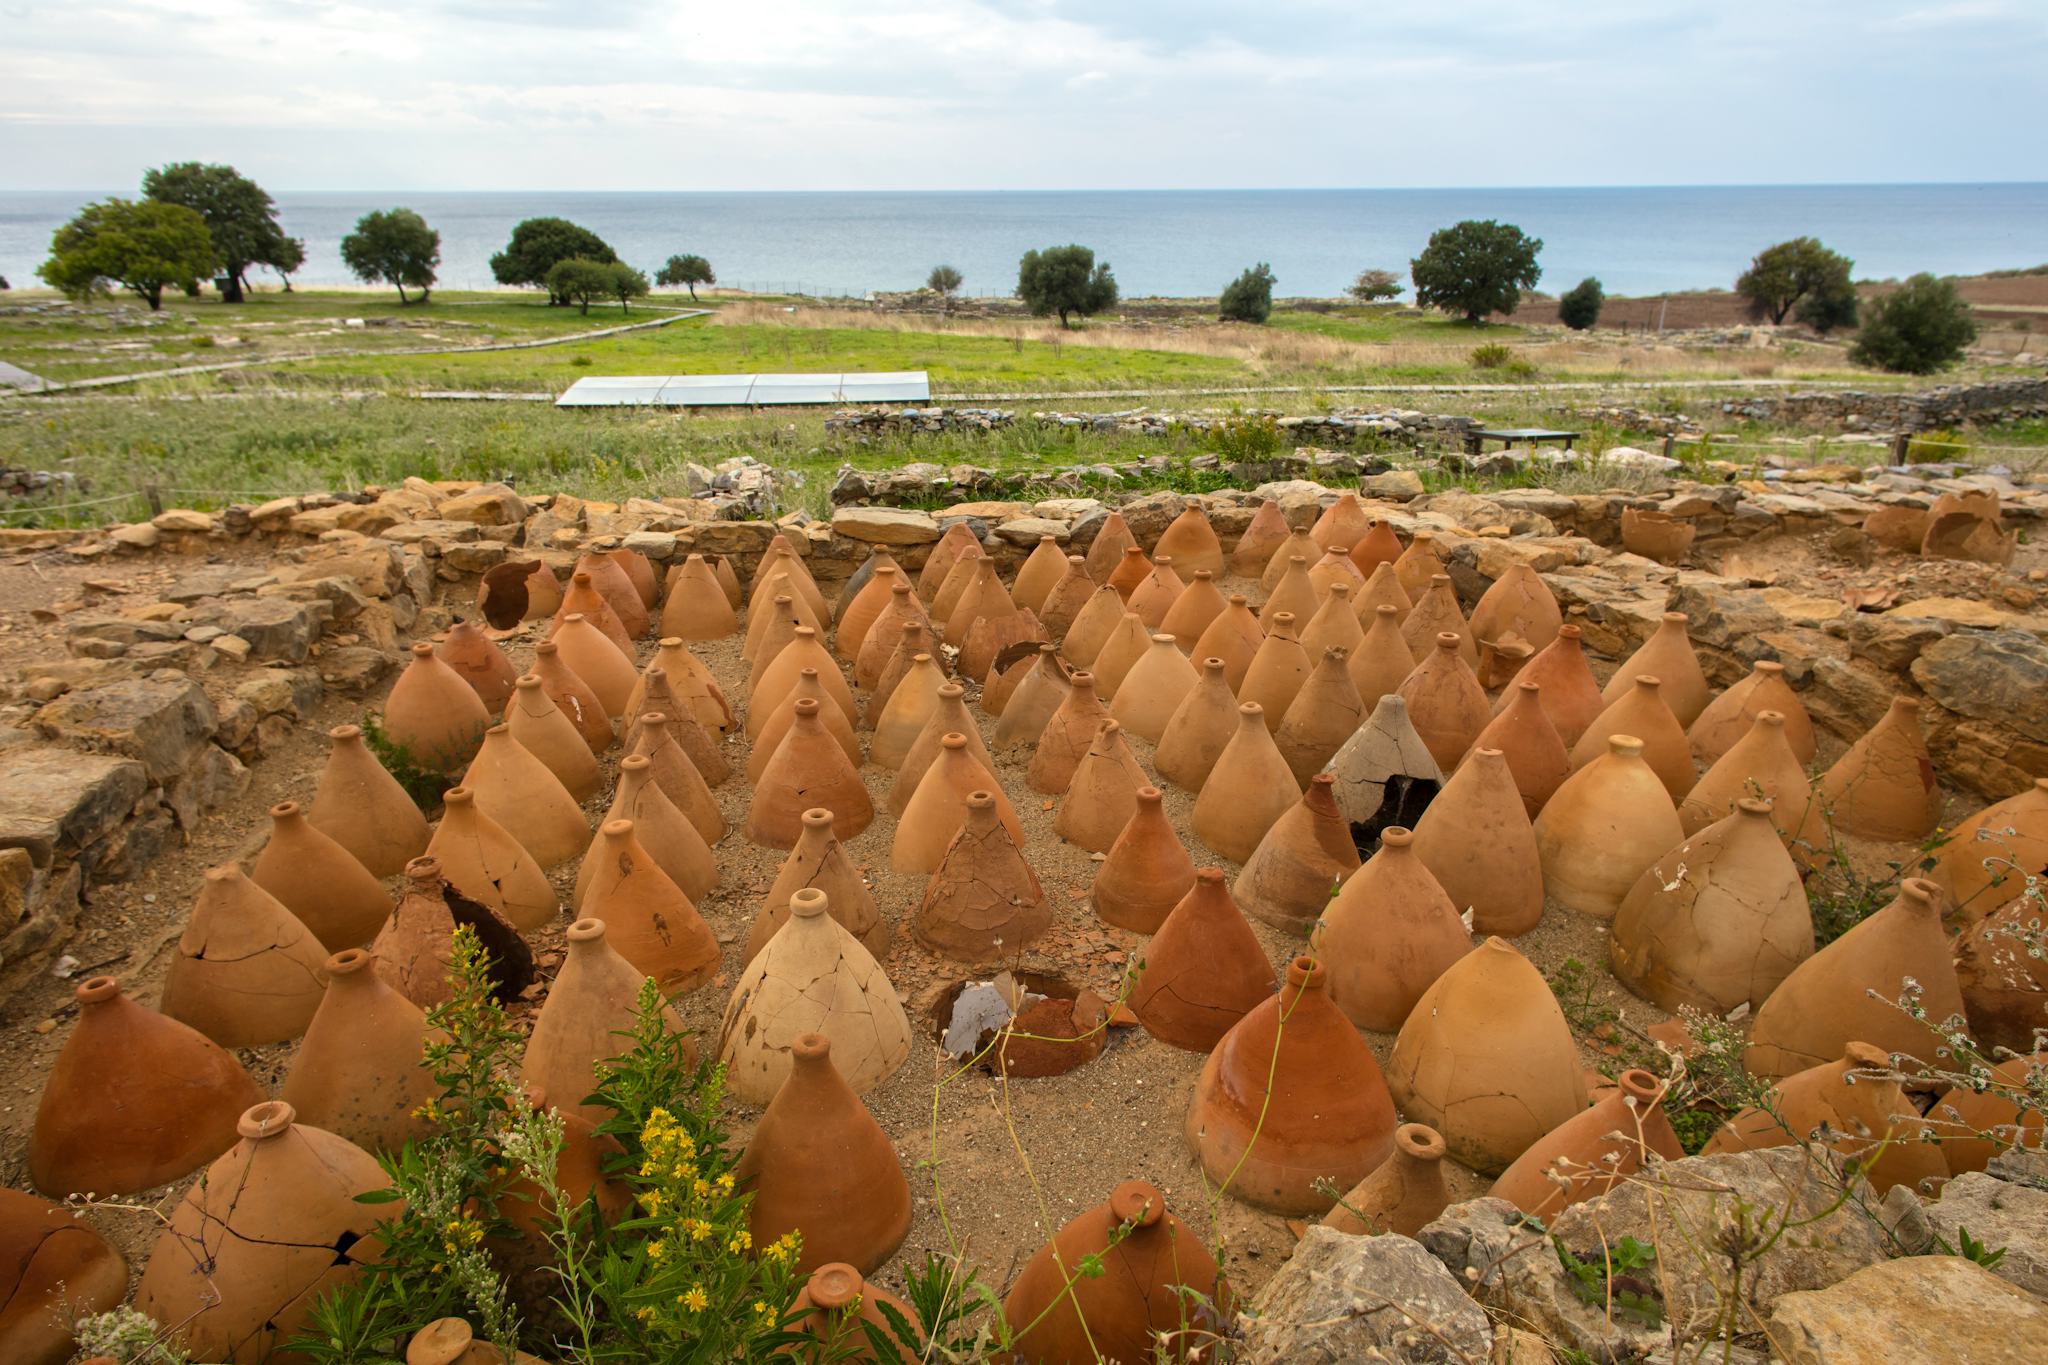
1918, 328
1782, 276
1249, 297
584, 282
689, 270
240, 216
1065, 280
143, 247
1375, 286
1475, 268
943, 280
393, 246
1579, 307
539, 244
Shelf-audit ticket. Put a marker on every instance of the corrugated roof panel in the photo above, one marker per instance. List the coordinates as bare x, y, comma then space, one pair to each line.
743, 390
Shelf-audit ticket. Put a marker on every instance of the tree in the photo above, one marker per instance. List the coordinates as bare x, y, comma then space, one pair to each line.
627, 283
1782, 275
1376, 286
289, 259
1831, 304
143, 247
240, 215
1249, 297
584, 282
539, 244
689, 270
394, 246
943, 281
1476, 268
1579, 308
1919, 327
1064, 280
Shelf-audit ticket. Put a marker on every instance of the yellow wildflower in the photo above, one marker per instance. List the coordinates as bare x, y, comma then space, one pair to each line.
696, 1300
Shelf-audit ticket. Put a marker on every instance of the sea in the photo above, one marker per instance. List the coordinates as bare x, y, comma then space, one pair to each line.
1175, 243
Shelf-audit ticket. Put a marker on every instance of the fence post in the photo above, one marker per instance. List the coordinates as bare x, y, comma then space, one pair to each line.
1901, 443
155, 496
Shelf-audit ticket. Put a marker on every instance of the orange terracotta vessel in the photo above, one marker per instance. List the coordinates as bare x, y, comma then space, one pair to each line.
1191, 543
1382, 589
886, 633
1379, 545
695, 739
1201, 727
944, 555
650, 922
916, 639
982, 598
1332, 571
412, 952
909, 707
697, 608
1593, 1151
518, 590
319, 881
2005, 987
59, 1270
939, 807
1147, 871
1247, 791
616, 587
360, 806
1278, 670
584, 599
984, 902
1404, 1194
1298, 545
1445, 702
1643, 711
808, 769
1066, 735
1064, 602
780, 677
1974, 1128
1667, 655
818, 861
869, 589
1519, 604
1295, 595
1155, 596
1985, 856
1103, 797
516, 789
1385, 775
952, 718
1203, 971
1234, 637
478, 661
543, 731
1609, 821
433, 714
1418, 565
1344, 522
1130, 572
1124, 647
1153, 690
1854, 1107
1382, 661
1255, 547
1570, 695
359, 1073
689, 682
1761, 764
1884, 787
1728, 717
1477, 841
586, 1019
1436, 613
572, 696
1388, 935
1093, 625
1291, 875
487, 865
1194, 611
1038, 698
839, 1308
1334, 625
1535, 754
603, 667
247, 972
1041, 571
1325, 713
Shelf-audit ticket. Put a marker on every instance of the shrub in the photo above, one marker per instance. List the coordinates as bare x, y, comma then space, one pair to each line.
1065, 280
586, 282
1918, 328
1249, 297
1579, 309
943, 281
685, 270
395, 247
539, 244
1491, 356
1476, 268
1832, 304
1784, 274
1375, 286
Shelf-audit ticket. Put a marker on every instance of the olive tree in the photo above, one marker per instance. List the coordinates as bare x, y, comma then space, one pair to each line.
240, 216
143, 247
1918, 328
393, 246
686, 270
1475, 268
1065, 280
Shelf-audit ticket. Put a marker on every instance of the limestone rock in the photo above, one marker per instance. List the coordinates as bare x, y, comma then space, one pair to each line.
490, 504
885, 525
1342, 1298
57, 800
1999, 676
1396, 485
162, 720
1917, 1308
1998, 1213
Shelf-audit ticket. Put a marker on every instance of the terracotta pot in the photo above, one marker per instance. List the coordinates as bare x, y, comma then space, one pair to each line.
667, 835
772, 625
134, 1100
1040, 572
478, 661
1384, 774
1487, 1059
1976, 1127
1728, 717
516, 789
1717, 922
957, 538
587, 1018
1291, 875
1445, 702
1334, 625
1097, 620
1203, 971
59, 1270
1988, 856
1249, 789
1298, 545
1190, 541
910, 706
1593, 1151
1291, 1098
1103, 797
1064, 602
690, 683
1294, 595
839, 1307
721, 566
1404, 1194
1132, 568
360, 806
1382, 661
584, 599
1388, 935
1158, 681
1846, 992
780, 677
1519, 604
572, 696
698, 743
1325, 713
276, 1224
1656, 535
952, 718
639, 571
1609, 821
782, 559
1884, 787
358, 1073
1278, 670
1761, 764
1332, 571
247, 971
1855, 1108
617, 588
1436, 613
1003, 681
540, 728
319, 881
938, 807
886, 633
1038, 698
1379, 545
916, 639
2004, 985
1256, 544
696, 608
1155, 596
1419, 565
1157, 1281
1147, 871
1536, 756
1119, 653
1500, 661
1344, 522
808, 769
411, 953
984, 598
857, 584
991, 638
1667, 655
819, 861
651, 922
1382, 589
984, 902
1478, 843
1570, 696
433, 714
518, 590
1194, 611
1642, 711
607, 672
1198, 731
1066, 735
486, 864
1966, 526
811, 977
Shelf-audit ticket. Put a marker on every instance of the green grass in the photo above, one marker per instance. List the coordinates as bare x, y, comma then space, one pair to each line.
1392, 323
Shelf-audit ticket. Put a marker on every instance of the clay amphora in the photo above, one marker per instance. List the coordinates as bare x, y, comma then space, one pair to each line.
1038, 698
1064, 602
1728, 717
1333, 570
1379, 545
358, 1073
1041, 571
870, 593
1344, 522
1445, 702
1478, 843
984, 902
1718, 921
698, 742
1404, 1193
584, 599
1519, 603
412, 952
721, 566
1976, 1127
1153, 690
1419, 565
638, 570
1203, 971
688, 682
1643, 711
360, 806
886, 633
478, 661
1066, 735
909, 707
938, 807
1334, 626
1388, 935
1146, 1305
319, 881
916, 639
839, 1308
516, 789
1291, 1098
518, 590
963, 573
1256, 544
952, 718
1277, 671
1856, 1108
606, 671
1298, 545
1487, 1059
1147, 871
1103, 796
1382, 589
1125, 645
1884, 787
1132, 568
1501, 660
433, 714
819, 861
247, 972
540, 728
990, 639
1609, 821
272, 1229
1436, 613
1191, 543
808, 769
1097, 620
1989, 856
649, 920
1194, 611
1155, 596
1384, 774
572, 696
1594, 1150
850, 586
617, 588
593, 1002
487, 865
1234, 637
1003, 682
983, 599
2004, 985
1295, 595
1325, 713
957, 538
812, 977
1249, 789
1536, 757
1848, 991
771, 625
1570, 695
1291, 875
1201, 726
1382, 661
58, 1271
133, 1101
780, 677
1761, 763
696, 608
1667, 655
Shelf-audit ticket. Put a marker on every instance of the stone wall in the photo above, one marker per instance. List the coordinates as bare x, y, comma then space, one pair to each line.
1949, 405
1398, 426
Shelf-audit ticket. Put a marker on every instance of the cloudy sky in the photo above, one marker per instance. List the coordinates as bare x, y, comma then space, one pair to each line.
825, 94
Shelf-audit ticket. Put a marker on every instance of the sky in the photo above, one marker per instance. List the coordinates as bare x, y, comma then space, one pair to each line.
1021, 94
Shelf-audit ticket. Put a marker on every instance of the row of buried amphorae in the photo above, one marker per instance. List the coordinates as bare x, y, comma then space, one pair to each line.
1315, 724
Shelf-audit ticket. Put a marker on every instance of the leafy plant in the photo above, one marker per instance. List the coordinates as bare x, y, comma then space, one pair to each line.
1609, 1276
943, 281
1065, 280
1375, 286
1842, 895
395, 247
1249, 297
1579, 307
1781, 276
1491, 356
1970, 1249
1918, 328
1246, 436
128, 1335
424, 785
685, 270
145, 248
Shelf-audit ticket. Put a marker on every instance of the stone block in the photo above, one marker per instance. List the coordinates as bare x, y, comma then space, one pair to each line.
58, 800
1917, 1308
884, 525
162, 720
491, 504
1344, 1298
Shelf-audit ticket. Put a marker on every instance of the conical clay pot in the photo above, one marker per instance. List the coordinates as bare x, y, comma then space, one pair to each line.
909, 707
1334, 626
1199, 731
1154, 688
1203, 971
1667, 655
1066, 599
667, 835
1103, 797
1038, 698
1977, 1127
2004, 985
886, 633
1093, 625
359, 1073
1641, 711
1382, 589
518, 590
486, 864
1325, 713
1884, 787
516, 789
584, 598
1256, 544
809, 769
604, 668
1131, 570
777, 728
1761, 764
1728, 717
819, 861
411, 953
1609, 821
1404, 1193
1594, 1150
955, 542
1191, 543
58, 1271
1064, 739
952, 718
1344, 522
1041, 571
1298, 545
657, 693
1389, 934
478, 661
696, 608
609, 576
1194, 611
648, 919
1385, 775
1278, 670
1419, 565
247, 971
1378, 546
573, 697
433, 714
1147, 871
1445, 702
1294, 596
1436, 613
1247, 791
319, 881
1518, 603
1154, 597
361, 807
1478, 844
1988, 856
839, 1308
1290, 877
1119, 654
1234, 637
541, 729
1854, 1107
1487, 1059
587, 1019
678, 777
939, 807
1570, 696
1526, 738
984, 902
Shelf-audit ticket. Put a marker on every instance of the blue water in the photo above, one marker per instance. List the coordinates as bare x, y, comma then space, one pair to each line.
1176, 242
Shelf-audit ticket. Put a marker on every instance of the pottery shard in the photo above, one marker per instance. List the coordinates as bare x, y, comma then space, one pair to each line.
163, 721
1345, 1298
56, 800
1915, 1308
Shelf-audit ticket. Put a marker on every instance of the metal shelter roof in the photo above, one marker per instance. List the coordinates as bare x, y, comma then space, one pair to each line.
745, 390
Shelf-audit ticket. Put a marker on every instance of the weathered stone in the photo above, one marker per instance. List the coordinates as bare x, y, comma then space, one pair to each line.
1918, 1308
1344, 1298
491, 504
215, 778
354, 668
163, 720
59, 800
1396, 485
1026, 531
140, 536
1067, 509
477, 556
336, 599
121, 630
1958, 611
2001, 1215
658, 546
734, 537
277, 510
1891, 639
269, 627
183, 519
231, 647
885, 525
376, 569
1149, 516
1999, 676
